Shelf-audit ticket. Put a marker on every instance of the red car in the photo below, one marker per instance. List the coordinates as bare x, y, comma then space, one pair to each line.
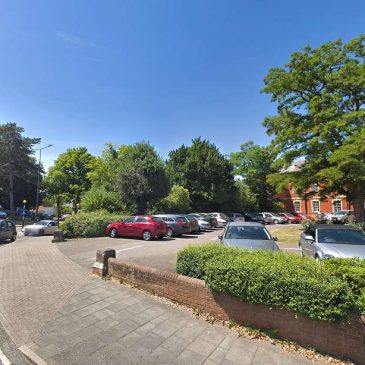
291, 218
143, 226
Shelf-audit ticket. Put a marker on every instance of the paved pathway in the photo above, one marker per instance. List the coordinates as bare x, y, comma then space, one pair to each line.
108, 323
35, 280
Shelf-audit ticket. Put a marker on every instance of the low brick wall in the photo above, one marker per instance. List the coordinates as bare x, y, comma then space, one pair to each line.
342, 340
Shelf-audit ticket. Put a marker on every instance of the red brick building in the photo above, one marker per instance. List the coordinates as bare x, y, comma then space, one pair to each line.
292, 202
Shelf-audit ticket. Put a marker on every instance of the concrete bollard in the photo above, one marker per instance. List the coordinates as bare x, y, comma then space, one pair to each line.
100, 267
58, 236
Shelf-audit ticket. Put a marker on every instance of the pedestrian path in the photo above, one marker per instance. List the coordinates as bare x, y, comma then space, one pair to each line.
107, 323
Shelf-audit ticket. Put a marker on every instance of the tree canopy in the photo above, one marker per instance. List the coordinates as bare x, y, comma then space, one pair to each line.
320, 97
205, 173
18, 168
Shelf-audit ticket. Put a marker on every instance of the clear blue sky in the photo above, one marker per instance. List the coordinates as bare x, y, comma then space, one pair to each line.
83, 73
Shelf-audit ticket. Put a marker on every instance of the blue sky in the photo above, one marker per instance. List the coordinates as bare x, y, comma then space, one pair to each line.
83, 73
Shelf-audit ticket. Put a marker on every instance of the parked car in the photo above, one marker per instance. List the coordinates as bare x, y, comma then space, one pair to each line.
233, 217
143, 226
202, 221
253, 217
291, 218
40, 228
23, 212
3, 214
343, 216
222, 219
194, 224
248, 235
176, 225
7, 230
273, 218
302, 216
211, 219
322, 241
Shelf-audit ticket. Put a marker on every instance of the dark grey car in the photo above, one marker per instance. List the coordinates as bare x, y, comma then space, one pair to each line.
322, 241
7, 230
176, 225
248, 235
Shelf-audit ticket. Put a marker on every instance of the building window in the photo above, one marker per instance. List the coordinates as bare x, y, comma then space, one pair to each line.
297, 206
315, 206
315, 188
337, 205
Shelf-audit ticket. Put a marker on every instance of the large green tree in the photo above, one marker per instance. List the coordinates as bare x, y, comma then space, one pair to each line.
254, 164
320, 97
69, 178
18, 168
205, 172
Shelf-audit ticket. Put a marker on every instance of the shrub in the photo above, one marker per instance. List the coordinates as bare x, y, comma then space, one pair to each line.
276, 279
98, 198
88, 224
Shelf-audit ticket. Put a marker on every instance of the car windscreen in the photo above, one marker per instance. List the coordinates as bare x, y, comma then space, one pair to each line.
289, 215
341, 236
41, 223
247, 232
341, 212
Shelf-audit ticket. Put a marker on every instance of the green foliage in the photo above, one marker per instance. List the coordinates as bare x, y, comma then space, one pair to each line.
246, 200
91, 224
205, 172
320, 96
272, 278
98, 198
18, 169
68, 179
254, 164
177, 201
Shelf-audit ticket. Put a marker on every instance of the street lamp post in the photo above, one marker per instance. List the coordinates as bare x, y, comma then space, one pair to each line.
38, 175
23, 213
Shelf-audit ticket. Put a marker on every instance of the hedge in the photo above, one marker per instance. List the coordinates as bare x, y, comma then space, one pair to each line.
273, 278
91, 224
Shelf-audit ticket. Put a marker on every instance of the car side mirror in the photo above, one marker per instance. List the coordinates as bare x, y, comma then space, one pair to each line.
220, 237
275, 238
309, 238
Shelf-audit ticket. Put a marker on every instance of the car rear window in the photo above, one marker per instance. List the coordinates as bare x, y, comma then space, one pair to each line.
180, 219
247, 232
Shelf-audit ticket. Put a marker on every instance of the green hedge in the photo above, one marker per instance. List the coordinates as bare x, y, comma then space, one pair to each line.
273, 278
91, 224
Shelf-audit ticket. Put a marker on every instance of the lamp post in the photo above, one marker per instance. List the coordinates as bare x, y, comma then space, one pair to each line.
38, 175
24, 213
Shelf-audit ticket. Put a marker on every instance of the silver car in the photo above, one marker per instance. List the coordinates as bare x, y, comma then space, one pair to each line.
249, 235
272, 218
323, 241
40, 228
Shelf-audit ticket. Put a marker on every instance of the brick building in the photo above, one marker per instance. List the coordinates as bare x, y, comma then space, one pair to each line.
293, 202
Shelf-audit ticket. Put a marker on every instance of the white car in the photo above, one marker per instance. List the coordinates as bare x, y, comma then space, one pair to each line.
222, 219
40, 228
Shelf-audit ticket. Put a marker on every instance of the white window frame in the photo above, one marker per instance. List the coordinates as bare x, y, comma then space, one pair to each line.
295, 207
333, 205
319, 206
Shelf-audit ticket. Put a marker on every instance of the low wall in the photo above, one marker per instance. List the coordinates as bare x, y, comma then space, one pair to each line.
342, 340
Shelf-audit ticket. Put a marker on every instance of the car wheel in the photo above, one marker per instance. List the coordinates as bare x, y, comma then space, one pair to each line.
316, 257
147, 235
169, 232
41, 232
113, 233
13, 237
275, 221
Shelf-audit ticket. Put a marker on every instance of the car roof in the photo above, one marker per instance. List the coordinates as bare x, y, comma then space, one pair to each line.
333, 226
235, 224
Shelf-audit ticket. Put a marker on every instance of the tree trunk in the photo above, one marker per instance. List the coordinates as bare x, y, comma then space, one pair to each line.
358, 202
11, 188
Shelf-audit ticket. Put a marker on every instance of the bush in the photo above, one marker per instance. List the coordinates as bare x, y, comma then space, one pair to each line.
98, 198
88, 224
276, 279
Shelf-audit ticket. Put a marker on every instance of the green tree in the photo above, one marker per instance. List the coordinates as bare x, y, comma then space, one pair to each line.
178, 201
246, 200
320, 97
205, 172
18, 168
140, 176
69, 178
254, 164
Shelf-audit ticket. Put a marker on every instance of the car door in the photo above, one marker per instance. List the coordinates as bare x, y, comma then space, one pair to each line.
51, 227
308, 246
139, 226
3, 232
125, 228
10, 229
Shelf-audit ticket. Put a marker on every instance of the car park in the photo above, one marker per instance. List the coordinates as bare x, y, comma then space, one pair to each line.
7, 230
194, 225
233, 217
343, 216
203, 222
176, 225
248, 235
41, 228
253, 217
211, 219
290, 217
273, 218
142, 226
221, 218
323, 241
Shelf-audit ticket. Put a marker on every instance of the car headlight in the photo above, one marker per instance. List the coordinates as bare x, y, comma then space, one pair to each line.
326, 256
